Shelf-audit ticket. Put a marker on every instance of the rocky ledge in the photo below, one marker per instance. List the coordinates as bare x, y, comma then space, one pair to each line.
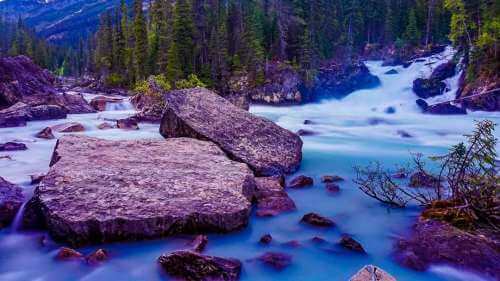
435, 242
11, 199
96, 191
199, 113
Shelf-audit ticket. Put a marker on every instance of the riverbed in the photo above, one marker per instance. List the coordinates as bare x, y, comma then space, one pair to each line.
354, 131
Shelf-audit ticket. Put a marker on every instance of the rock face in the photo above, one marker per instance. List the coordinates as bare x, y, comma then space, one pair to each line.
96, 190
199, 113
338, 80
11, 199
444, 71
23, 81
434, 242
427, 88
192, 266
271, 198
47, 112
15, 116
372, 273
482, 94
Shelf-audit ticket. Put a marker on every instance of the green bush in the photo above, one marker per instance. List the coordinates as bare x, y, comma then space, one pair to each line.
191, 82
114, 80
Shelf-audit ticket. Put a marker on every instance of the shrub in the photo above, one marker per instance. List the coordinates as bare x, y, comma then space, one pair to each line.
191, 82
114, 80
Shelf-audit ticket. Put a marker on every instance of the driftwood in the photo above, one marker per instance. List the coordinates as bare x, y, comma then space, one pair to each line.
467, 97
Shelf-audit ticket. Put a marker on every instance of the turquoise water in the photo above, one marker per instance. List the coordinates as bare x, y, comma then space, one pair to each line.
347, 136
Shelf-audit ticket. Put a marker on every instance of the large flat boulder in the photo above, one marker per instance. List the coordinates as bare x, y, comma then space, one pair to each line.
199, 113
99, 190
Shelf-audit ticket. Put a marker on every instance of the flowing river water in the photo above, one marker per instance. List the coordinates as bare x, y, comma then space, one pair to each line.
350, 132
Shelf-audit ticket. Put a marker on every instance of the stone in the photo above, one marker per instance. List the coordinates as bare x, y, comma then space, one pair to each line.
292, 244
309, 122
391, 72
45, 134
99, 103
372, 273
436, 242
96, 193
188, 265
271, 198
301, 181
422, 104
65, 254
422, 179
36, 178
332, 187
331, 178
16, 115
105, 126
74, 103
427, 88
444, 71
11, 199
445, 109
317, 220
303, 132
266, 239
404, 134
127, 124
48, 112
12, 146
278, 261
199, 113
390, 110
97, 257
199, 243
349, 243
318, 240
70, 127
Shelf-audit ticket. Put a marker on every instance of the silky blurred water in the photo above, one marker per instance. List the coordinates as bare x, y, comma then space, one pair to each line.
350, 132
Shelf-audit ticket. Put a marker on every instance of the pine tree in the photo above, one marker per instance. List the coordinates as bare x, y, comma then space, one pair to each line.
140, 42
412, 34
183, 31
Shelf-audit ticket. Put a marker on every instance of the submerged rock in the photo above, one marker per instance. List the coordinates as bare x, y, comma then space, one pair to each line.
435, 242
48, 112
372, 273
331, 178
301, 181
12, 146
65, 254
97, 257
391, 72
127, 124
193, 266
278, 261
266, 239
349, 243
332, 187
427, 88
11, 199
105, 126
317, 220
199, 243
69, 127
445, 109
101, 190
45, 134
199, 113
99, 103
422, 104
271, 197
304, 132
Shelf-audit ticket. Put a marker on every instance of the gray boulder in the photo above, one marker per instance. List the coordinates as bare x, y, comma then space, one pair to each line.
199, 113
100, 190
372, 273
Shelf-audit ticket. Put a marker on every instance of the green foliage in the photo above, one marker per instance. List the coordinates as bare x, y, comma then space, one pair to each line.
412, 34
115, 80
191, 82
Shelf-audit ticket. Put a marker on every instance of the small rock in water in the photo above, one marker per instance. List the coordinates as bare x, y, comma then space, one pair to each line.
372, 273
331, 178
391, 72
45, 134
127, 124
97, 257
318, 240
332, 188
446, 109
190, 265
422, 104
66, 253
70, 127
390, 110
404, 134
266, 239
12, 146
278, 261
304, 133
104, 126
36, 178
309, 122
48, 112
99, 102
317, 220
292, 244
11, 199
271, 198
422, 179
199, 243
349, 243
301, 181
